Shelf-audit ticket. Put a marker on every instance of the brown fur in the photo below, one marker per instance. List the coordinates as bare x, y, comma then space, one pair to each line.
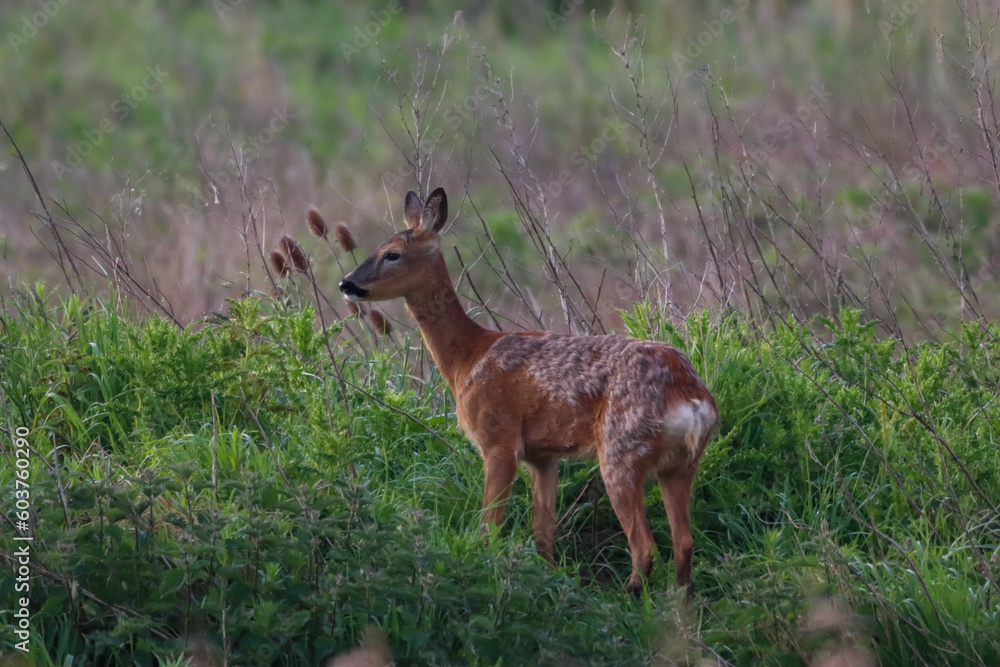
374, 653
538, 397
379, 323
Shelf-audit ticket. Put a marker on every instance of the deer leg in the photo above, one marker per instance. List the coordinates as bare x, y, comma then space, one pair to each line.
624, 485
675, 487
544, 483
500, 472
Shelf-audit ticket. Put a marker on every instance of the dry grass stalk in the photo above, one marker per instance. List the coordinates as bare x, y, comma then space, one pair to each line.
345, 239
317, 225
294, 254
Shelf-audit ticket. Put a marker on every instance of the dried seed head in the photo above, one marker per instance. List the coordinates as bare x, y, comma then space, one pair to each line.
353, 307
294, 253
345, 239
379, 323
317, 225
278, 263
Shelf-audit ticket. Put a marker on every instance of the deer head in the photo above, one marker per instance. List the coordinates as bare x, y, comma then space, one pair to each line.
399, 265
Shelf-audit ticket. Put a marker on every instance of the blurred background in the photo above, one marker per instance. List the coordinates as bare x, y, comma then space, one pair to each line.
775, 155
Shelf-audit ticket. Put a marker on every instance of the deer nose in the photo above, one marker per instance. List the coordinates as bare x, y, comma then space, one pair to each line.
350, 290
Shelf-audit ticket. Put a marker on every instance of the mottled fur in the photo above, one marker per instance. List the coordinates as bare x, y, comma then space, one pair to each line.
537, 397
635, 377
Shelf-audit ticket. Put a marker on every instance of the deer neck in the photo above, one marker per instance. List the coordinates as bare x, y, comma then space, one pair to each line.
455, 341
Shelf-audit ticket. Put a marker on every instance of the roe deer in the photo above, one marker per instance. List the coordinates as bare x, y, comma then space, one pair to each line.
538, 397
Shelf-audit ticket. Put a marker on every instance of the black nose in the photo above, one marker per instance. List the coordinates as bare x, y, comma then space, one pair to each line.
350, 289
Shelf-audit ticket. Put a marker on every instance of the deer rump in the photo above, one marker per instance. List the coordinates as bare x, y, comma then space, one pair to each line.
637, 404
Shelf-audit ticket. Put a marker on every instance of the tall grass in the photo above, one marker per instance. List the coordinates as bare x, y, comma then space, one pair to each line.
837, 160
248, 510
215, 489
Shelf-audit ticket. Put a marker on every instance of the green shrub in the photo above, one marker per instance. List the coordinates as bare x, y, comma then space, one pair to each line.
236, 487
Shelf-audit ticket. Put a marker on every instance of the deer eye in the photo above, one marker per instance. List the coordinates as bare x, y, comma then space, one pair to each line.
391, 256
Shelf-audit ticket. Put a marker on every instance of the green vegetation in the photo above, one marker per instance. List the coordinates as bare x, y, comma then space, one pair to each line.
219, 485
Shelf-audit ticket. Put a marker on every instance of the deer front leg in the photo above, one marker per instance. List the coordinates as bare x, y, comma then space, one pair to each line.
500, 470
544, 484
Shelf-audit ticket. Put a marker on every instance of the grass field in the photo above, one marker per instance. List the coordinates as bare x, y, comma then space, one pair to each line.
221, 465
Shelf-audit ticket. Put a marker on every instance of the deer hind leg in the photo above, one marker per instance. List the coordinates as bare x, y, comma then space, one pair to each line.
544, 484
624, 482
675, 487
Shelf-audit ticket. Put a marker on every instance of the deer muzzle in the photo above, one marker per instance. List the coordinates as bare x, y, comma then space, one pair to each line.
352, 291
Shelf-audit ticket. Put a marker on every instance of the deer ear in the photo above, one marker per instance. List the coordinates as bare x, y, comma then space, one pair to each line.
435, 212
412, 210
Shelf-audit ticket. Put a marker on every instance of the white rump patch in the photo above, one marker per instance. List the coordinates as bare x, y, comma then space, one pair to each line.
690, 421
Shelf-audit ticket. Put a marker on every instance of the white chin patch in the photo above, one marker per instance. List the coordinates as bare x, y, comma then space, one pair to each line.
354, 297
